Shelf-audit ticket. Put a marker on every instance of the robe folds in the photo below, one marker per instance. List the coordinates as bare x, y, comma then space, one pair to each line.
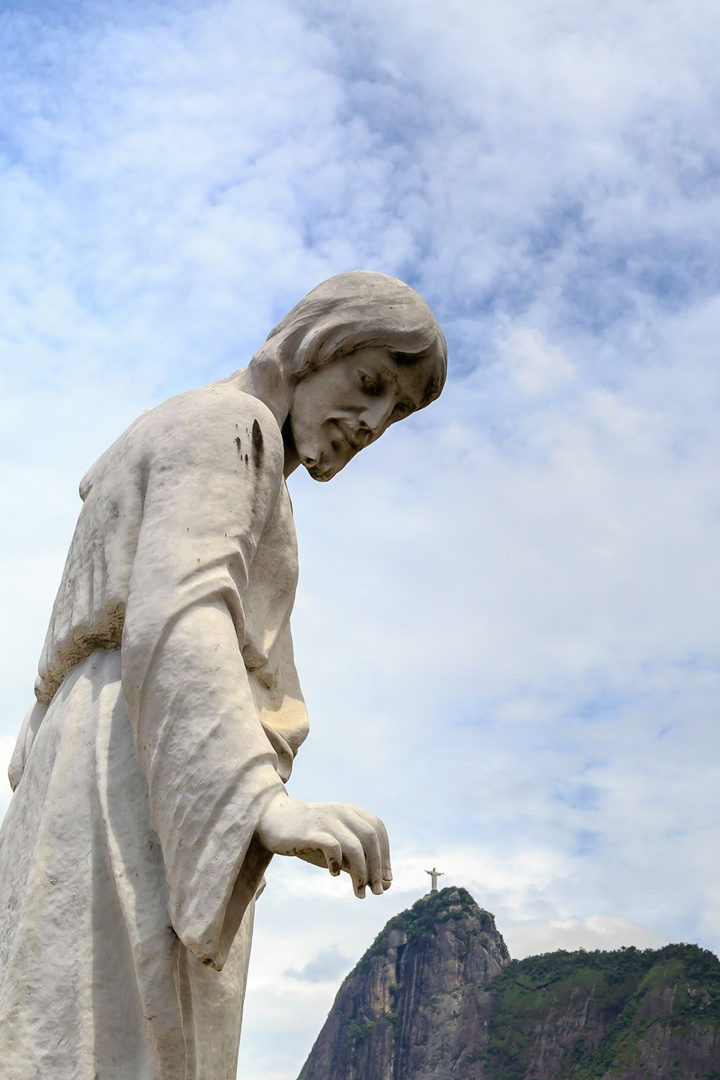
168, 714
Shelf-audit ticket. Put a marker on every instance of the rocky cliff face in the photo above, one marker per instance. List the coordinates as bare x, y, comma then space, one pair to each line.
625, 1015
436, 997
416, 1006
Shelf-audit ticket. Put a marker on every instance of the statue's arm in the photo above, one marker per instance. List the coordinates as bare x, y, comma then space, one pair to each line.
209, 765
211, 772
218, 805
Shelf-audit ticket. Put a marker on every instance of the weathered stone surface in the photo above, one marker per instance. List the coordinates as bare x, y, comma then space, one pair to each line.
437, 998
149, 775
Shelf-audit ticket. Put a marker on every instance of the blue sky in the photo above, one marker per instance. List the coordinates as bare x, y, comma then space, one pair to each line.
507, 623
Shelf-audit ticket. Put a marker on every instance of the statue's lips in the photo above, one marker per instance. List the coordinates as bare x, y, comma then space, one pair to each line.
319, 468
354, 439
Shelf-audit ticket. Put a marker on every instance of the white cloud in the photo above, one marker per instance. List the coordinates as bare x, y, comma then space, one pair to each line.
506, 624
535, 367
593, 932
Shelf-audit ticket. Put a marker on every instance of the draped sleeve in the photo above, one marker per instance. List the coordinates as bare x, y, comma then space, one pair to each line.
213, 477
185, 558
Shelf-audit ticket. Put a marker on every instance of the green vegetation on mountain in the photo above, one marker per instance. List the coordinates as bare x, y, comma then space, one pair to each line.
426, 914
625, 994
436, 997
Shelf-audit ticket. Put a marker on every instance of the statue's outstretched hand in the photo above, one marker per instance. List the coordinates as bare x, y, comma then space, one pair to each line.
332, 835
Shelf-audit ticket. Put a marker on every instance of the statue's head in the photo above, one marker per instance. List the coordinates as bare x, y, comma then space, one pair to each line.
358, 353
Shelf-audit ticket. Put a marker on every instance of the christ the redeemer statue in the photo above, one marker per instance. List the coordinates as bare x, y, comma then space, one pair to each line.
434, 874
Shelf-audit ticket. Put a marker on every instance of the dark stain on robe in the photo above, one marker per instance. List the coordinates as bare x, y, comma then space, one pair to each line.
257, 445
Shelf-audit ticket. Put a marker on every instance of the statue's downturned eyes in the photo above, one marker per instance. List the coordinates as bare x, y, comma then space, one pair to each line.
370, 384
376, 384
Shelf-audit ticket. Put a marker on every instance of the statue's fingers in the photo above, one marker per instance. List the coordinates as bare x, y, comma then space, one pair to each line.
384, 843
386, 872
332, 852
354, 860
315, 857
368, 836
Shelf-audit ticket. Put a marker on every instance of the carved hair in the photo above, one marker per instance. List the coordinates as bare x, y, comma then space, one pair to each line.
354, 311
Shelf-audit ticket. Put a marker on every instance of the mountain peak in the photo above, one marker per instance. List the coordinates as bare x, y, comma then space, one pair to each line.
415, 995
428, 916
436, 997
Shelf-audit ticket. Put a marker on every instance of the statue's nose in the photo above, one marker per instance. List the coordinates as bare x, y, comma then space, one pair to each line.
375, 415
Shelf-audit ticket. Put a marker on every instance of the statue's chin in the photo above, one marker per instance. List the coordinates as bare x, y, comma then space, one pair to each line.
321, 473
325, 461
320, 468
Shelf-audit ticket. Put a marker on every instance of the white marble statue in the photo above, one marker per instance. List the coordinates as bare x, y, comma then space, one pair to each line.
149, 777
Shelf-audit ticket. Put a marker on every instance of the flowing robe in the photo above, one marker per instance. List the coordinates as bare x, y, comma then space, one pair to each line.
168, 714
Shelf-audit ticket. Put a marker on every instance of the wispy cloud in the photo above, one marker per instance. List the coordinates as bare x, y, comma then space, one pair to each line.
327, 966
506, 623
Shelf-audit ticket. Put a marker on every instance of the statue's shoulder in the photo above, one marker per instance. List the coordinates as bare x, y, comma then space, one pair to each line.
196, 428
219, 415
218, 402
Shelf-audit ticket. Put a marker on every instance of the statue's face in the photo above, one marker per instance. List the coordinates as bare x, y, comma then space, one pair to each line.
342, 407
